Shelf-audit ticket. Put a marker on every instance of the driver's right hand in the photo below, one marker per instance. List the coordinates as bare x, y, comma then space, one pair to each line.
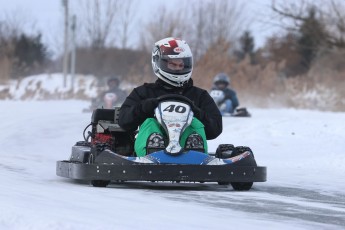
149, 105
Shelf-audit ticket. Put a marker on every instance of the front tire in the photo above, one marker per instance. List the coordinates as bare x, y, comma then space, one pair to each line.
241, 186
100, 183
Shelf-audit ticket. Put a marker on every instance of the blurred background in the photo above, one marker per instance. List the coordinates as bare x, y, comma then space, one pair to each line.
277, 53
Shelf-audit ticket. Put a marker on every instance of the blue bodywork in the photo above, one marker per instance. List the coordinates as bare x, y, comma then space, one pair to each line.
190, 157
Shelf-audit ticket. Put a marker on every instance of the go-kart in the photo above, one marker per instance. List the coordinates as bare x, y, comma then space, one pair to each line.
108, 101
218, 97
107, 153
239, 112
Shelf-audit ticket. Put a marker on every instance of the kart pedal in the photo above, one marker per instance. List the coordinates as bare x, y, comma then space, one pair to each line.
195, 142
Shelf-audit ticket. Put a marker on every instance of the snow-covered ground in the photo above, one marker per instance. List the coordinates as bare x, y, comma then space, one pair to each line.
304, 152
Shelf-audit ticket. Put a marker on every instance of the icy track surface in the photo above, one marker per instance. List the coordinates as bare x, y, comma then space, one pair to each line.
304, 152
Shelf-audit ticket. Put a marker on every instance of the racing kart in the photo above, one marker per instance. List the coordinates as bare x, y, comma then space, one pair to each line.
218, 97
107, 153
108, 101
239, 112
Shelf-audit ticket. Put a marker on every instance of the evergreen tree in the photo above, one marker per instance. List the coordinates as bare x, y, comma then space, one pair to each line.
312, 37
30, 50
246, 46
29, 53
247, 43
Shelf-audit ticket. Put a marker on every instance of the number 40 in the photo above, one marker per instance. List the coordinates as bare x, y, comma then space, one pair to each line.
177, 109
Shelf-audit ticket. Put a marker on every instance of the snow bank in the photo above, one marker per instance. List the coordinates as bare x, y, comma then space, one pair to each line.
51, 86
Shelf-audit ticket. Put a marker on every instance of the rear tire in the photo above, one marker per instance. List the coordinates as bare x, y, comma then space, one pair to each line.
242, 186
239, 150
224, 151
100, 183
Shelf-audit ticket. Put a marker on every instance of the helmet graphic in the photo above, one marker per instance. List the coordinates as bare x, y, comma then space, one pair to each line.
217, 95
172, 61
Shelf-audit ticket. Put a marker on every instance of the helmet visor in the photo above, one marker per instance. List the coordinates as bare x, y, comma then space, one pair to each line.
221, 84
176, 65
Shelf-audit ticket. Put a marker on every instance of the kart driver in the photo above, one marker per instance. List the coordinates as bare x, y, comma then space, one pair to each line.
114, 95
224, 96
172, 62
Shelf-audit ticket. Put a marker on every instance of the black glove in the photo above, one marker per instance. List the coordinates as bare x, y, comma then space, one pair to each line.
148, 105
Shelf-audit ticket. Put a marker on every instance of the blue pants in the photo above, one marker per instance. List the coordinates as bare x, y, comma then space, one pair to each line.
226, 107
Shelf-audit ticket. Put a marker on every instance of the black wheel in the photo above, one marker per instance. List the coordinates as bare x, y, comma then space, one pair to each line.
100, 183
242, 186
240, 149
248, 161
224, 151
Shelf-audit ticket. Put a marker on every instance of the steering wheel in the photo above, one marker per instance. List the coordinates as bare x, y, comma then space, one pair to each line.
176, 97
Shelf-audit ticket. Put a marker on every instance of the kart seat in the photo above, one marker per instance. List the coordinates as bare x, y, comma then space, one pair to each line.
107, 121
107, 118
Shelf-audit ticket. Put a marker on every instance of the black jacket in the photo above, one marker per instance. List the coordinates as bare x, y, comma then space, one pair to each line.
131, 114
120, 94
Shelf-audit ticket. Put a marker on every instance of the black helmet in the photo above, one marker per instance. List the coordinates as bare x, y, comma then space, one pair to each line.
113, 79
221, 78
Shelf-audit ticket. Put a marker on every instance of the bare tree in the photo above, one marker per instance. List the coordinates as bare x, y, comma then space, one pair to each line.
106, 22
336, 22
214, 21
201, 23
127, 17
98, 21
12, 25
292, 16
164, 24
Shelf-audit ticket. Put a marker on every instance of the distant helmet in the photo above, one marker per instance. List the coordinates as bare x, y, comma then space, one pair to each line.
112, 80
172, 61
221, 78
